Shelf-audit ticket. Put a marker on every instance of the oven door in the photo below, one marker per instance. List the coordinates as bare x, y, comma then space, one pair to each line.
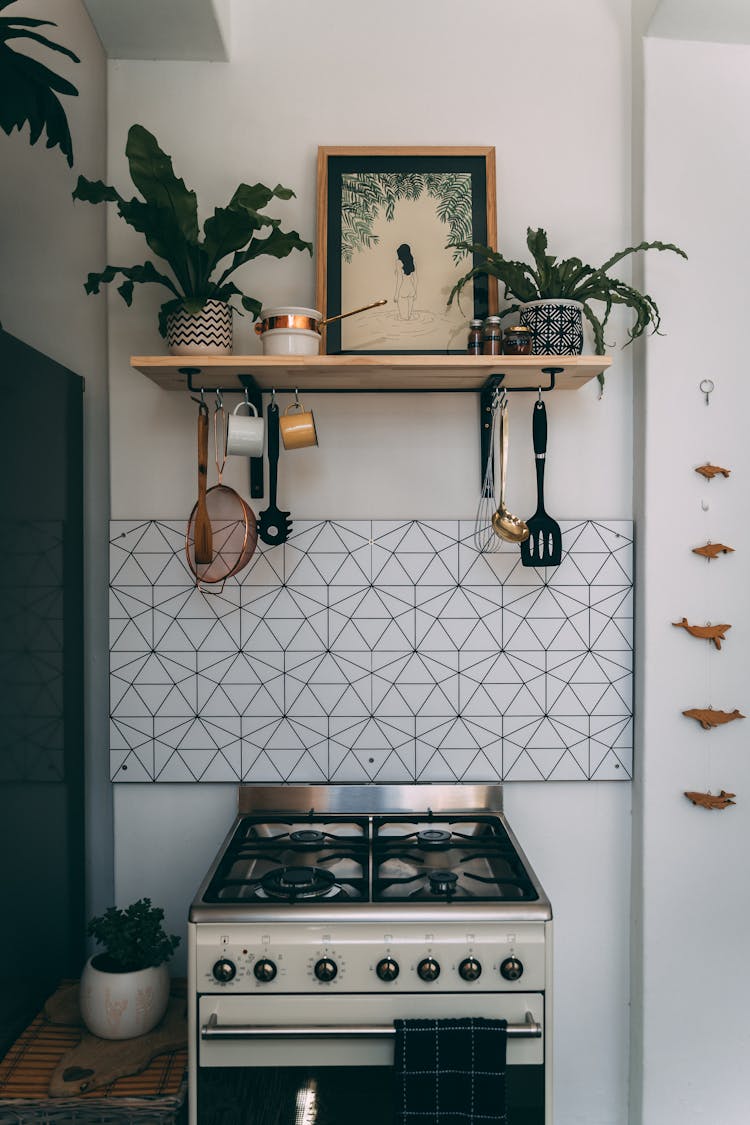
301, 1060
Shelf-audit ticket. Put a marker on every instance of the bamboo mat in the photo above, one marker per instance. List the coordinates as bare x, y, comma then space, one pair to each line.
155, 1094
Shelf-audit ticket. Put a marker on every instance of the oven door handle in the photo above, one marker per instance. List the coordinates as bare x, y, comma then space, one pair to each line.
529, 1029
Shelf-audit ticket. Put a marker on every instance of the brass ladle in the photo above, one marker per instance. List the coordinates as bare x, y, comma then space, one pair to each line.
505, 525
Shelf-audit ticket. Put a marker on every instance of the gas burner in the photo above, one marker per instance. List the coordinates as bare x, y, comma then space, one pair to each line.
443, 882
308, 836
289, 884
434, 838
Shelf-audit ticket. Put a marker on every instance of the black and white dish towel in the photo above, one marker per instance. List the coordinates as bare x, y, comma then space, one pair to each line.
450, 1072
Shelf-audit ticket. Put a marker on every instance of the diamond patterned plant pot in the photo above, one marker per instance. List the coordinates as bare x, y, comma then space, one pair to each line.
208, 332
557, 326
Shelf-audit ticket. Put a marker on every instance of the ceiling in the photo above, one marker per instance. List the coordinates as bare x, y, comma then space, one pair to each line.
711, 21
162, 29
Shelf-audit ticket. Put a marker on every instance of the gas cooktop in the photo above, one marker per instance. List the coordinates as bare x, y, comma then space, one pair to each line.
348, 849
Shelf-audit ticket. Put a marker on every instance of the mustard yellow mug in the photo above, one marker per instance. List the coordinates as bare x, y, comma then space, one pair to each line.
297, 427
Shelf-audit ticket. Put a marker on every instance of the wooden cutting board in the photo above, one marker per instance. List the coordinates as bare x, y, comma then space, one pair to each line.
96, 1062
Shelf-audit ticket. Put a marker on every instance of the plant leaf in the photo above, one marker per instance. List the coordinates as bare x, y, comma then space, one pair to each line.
227, 230
641, 246
96, 191
147, 273
252, 306
257, 196
27, 95
170, 226
278, 244
9, 33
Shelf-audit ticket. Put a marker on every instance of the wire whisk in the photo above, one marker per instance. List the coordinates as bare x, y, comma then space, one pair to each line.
485, 539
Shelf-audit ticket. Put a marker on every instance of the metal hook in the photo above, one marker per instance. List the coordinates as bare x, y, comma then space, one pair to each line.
539, 399
247, 397
273, 396
706, 386
219, 400
704, 505
296, 398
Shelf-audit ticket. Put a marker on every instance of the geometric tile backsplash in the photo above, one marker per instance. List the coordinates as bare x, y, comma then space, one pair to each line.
372, 650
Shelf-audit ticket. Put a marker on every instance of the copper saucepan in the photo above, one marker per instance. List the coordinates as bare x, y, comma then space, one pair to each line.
311, 320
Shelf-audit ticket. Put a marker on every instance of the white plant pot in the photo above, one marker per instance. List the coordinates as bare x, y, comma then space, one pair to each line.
123, 1005
208, 332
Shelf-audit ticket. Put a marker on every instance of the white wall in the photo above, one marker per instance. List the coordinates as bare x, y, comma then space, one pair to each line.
406, 74
48, 246
691, 983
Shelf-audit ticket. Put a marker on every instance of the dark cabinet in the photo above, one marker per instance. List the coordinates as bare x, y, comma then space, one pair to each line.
41, 681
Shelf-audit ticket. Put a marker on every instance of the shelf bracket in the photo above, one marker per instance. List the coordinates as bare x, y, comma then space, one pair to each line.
255, 396
492, 385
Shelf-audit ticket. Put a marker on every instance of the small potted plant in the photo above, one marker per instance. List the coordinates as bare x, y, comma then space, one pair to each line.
553, 294
197, 319
125, 990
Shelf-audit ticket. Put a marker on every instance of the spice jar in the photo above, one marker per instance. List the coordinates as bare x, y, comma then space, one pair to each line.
492, 336
518, 340
474, 346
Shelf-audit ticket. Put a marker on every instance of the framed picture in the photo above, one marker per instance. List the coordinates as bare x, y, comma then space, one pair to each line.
386, 217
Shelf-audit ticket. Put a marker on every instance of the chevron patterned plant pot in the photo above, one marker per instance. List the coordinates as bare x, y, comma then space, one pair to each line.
208, 332
557, 326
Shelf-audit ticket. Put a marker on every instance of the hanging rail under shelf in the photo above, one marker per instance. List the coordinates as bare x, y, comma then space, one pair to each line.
371, 374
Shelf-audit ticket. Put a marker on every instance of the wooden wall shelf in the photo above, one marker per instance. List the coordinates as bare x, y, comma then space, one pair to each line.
368, 373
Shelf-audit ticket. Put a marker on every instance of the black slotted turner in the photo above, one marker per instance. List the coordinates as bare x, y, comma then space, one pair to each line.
274, 526
544, 545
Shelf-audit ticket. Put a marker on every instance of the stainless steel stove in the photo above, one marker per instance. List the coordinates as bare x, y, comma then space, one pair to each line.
329, 912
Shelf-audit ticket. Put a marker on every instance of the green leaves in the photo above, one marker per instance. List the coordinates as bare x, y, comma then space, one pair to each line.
167, 216
28, 89
133, 938
568, 279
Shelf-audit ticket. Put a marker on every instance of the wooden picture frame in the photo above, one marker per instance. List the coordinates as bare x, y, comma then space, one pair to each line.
385, 217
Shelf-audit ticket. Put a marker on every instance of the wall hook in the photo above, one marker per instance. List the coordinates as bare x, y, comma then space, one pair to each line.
706, 386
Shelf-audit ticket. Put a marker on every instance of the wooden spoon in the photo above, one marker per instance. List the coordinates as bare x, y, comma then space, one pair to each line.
202, 536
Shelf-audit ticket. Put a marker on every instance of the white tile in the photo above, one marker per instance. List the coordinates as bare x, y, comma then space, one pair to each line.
128, 766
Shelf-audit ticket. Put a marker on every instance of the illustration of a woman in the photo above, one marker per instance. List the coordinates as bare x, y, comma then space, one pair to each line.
406, 282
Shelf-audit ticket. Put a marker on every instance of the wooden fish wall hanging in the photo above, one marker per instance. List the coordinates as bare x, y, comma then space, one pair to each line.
713, 550
708, 801
710, 471
709, 718
715, 633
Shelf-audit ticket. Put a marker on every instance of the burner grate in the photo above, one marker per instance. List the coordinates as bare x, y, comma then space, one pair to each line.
462, 857
307, 859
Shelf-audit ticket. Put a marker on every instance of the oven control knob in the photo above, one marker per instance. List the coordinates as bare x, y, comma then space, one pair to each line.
470, 969
326, 969
225, 970
511, 968
387, 969
264, 970
428, 969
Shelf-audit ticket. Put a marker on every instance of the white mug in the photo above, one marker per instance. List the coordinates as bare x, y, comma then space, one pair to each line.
245, 435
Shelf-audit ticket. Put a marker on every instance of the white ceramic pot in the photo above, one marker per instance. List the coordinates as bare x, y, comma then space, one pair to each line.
556, 326
123, 1005
290, 341
208, 332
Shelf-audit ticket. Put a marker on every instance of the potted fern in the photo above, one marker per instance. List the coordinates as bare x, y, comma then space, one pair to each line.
125, 990
552, 295
197, 318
